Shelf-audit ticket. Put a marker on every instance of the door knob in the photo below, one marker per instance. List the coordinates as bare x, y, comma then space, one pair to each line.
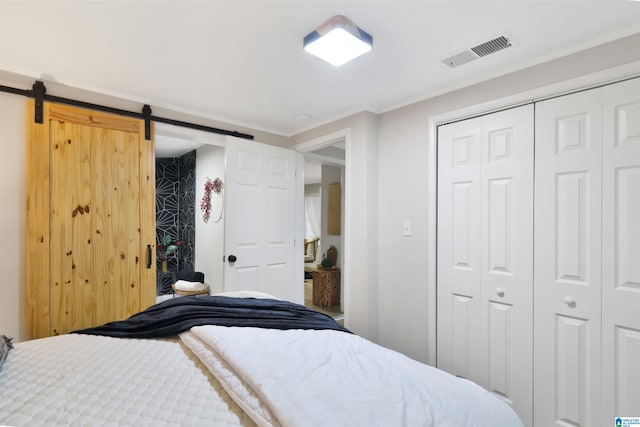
500, 292
232, 258
569, 301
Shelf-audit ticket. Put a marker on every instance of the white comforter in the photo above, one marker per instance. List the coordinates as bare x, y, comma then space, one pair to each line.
330, 378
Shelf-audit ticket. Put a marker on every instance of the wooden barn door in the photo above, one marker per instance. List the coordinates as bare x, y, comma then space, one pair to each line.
90, 217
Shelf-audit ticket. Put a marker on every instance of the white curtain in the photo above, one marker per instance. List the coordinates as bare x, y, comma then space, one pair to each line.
312, 216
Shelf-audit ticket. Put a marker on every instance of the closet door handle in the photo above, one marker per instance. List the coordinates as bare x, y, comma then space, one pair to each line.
569, 301
500, 292
149, 256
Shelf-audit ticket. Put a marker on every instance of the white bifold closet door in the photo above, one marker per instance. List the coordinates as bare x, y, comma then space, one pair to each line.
587, 257
621, 250
568, 250
485, 253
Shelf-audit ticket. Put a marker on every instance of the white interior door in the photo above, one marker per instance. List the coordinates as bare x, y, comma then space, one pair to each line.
260, 220
458, 326
568, 248
485, 256
621, 251
506, 274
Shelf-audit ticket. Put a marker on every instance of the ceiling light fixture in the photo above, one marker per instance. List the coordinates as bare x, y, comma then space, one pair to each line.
338, 41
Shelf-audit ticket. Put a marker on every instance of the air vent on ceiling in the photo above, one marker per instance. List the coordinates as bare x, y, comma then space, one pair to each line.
491, 46
478, 51
460, 58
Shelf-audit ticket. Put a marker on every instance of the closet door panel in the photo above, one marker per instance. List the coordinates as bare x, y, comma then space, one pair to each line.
458, 248
506, 314
485, 256
621, 250
567, 260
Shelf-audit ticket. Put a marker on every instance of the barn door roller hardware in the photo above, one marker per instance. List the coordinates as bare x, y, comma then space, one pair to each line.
146, 112
39, 93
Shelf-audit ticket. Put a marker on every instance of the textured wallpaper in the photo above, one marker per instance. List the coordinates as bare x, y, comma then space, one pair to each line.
175, 214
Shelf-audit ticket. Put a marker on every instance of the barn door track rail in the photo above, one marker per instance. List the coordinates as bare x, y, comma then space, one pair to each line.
39, 93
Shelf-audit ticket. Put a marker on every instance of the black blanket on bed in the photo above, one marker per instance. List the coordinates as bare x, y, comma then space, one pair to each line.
181, 314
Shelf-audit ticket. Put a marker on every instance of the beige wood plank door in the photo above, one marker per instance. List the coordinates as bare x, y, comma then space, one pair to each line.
92, 239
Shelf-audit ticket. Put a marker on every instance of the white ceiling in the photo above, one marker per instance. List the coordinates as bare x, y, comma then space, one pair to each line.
242, 62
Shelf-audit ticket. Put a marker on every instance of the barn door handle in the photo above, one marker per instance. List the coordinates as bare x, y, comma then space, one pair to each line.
232, 258
149, 255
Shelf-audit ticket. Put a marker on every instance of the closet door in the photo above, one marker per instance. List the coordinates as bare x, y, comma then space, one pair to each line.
621, 251
568, 243
485, 257
507, 258
459, 163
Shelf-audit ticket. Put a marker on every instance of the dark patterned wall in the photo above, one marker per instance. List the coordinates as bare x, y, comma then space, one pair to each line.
175, 213
187, 215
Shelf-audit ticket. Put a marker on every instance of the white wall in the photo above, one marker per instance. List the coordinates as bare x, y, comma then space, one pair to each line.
13, 137
210, 236
360, 271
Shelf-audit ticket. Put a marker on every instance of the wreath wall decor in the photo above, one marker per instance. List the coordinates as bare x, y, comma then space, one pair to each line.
210, 186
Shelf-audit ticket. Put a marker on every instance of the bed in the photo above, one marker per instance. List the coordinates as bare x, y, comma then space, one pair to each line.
232, 360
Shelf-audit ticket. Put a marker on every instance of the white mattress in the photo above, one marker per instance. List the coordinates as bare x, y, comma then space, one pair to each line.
93, 380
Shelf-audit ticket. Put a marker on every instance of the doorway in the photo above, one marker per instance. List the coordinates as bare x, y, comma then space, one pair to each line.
328, 155
257, 194
185, 159
324, 200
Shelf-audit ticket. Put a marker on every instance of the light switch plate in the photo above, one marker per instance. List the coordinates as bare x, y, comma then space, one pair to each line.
406, 228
